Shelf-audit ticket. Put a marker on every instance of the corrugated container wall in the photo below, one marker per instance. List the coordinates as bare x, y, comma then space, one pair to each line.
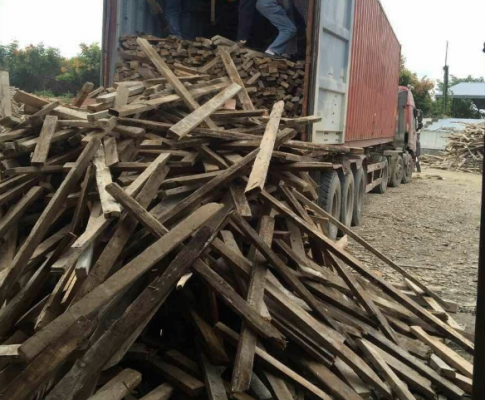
374, 75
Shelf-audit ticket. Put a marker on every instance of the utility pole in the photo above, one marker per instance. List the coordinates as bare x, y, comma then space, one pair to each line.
446, 81
479, 359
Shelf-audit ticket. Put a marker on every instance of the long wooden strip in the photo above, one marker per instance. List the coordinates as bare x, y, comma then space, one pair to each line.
167, 73
443, 351
223, 178
43, 223
119, 281
385, 286
214, 384
103, 178
191, 121
119, 387
313, 206
122, 235
41, 151
17, 210
273, 363
397, 386
151, 298
243, 364
231, 69
257, 179
83, 94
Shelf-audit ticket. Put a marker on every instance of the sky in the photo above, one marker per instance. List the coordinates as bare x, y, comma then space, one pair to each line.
422, 27
63, 24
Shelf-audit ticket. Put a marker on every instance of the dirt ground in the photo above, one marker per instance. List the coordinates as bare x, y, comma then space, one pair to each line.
430, 227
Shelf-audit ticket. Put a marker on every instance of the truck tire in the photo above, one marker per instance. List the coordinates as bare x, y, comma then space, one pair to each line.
330, 198
348, 198
360, 182
408, 168
382, 187
397, 172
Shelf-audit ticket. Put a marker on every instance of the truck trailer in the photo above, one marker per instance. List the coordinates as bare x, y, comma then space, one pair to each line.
352, 61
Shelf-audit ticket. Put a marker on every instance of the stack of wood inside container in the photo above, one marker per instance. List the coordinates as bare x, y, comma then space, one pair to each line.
267, 80
180, 253
464, 151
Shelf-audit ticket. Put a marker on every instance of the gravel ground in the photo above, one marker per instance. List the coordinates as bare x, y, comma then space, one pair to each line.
430, 227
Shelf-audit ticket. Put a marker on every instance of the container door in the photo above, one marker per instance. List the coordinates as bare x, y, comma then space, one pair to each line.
332, 46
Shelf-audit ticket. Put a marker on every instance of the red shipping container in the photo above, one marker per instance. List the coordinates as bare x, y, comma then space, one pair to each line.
374, 76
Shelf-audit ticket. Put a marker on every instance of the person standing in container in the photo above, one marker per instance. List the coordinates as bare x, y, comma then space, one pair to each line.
276, 14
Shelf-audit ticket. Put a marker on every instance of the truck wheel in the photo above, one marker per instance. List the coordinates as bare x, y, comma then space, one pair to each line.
330, 198
359, 187
382, 187
408, 168
397, 172
348, 195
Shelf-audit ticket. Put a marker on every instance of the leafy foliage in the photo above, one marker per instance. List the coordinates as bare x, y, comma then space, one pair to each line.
38, 68
422, 88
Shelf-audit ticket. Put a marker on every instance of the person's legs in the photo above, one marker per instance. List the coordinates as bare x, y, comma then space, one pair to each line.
187, 18
173, 9
246, 10
277, 16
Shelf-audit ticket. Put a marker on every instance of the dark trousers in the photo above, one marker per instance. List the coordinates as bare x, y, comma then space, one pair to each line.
247, 9
179, 16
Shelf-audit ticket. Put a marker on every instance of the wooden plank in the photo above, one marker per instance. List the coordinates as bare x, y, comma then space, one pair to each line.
122, 95
44, 222
364, 299
110, 150
223, 178
273, 363
5, 100
257, 178
214, 384
167, 73
46, 110
83, 94
36, 373
330, 382
122, 235
41, 151
398, 387
103, 178
17, 210
415, 381
162, 392
119, 387
191, 121
441, 367
352, 379
9, 352
443, 385
212, 156
240, 201
233, 74
443, 351
357, 265
191, 386
239, 305
213, 345
243, 364
119, 281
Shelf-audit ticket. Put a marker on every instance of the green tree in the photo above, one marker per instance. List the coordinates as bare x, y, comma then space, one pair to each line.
457, 108
38, 68
422, 88
85, 67
34, 68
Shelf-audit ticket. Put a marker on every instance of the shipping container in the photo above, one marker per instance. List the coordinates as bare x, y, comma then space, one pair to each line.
353, 73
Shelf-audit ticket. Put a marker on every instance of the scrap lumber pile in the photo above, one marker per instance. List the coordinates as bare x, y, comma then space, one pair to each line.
267, 80
464, 151
171, 255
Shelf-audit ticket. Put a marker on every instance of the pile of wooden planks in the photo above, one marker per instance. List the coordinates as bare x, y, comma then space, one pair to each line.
267, 80
173, 255
464, 151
